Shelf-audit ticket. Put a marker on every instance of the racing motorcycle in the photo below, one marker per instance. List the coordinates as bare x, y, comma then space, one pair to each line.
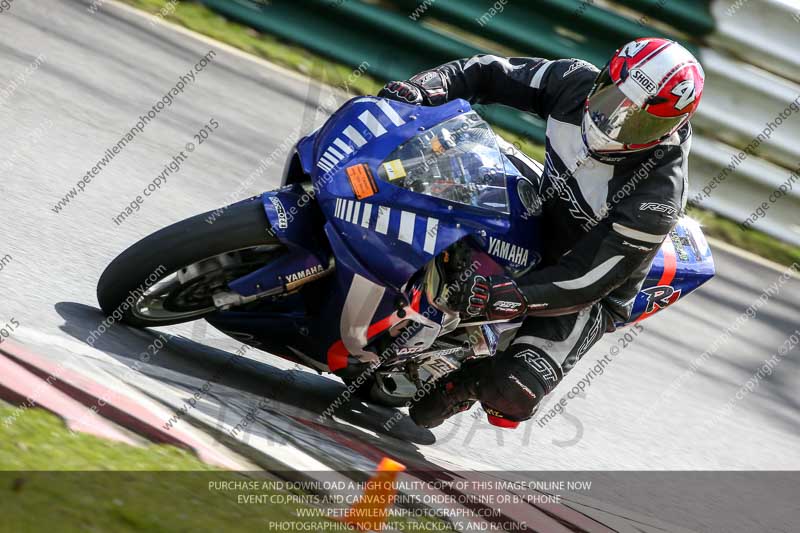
347, 266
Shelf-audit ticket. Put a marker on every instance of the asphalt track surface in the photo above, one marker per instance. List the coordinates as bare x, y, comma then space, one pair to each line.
98, 73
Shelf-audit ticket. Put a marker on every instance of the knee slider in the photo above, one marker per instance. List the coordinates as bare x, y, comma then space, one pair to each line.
517, 381
534, 364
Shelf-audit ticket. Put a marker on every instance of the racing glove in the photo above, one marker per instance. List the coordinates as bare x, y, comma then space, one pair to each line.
402, 91
495, 298
426, 88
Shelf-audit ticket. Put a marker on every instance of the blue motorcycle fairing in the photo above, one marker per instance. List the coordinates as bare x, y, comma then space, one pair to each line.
294, 226
304, 151
393, 222
345, 258
276, 328
684, 262
385, 235
345, 338
516, 249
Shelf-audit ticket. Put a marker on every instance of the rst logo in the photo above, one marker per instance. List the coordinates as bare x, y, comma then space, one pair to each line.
544, 367
506, 306
644, 80
657, 207
510, 252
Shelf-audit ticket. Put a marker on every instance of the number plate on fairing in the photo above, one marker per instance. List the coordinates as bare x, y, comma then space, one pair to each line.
439, 365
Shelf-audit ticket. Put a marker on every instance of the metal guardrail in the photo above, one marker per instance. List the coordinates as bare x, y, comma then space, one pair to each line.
761, 32
742, 106
744, 193
739, 102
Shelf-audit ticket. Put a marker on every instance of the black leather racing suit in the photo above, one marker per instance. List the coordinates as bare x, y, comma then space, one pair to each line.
604, 221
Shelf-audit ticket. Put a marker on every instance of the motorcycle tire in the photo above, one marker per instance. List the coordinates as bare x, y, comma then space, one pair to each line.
240, 226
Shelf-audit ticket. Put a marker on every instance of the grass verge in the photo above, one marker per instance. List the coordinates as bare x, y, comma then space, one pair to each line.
199, 18
51, 478
38, 440
754, 241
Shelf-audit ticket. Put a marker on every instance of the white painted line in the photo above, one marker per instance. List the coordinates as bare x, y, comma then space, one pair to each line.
343, 146
335, 153
171, 399
349, 212
353, 134
391, 113
223, 46
369, 120
365, 216
406, 233
431, 233
382, 225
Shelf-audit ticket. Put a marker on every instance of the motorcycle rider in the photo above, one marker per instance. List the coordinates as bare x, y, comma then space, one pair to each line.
613, 187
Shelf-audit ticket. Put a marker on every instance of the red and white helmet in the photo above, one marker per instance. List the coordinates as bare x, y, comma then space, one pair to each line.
649, 89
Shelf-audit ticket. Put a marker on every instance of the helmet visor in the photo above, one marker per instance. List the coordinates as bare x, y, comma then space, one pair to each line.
621, 119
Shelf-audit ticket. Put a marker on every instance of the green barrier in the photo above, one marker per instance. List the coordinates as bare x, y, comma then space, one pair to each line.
352, 33
355, 33
691, 16
397, 44
548, 28
514, 27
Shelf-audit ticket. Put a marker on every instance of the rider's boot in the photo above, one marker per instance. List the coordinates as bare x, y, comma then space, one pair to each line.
453, 394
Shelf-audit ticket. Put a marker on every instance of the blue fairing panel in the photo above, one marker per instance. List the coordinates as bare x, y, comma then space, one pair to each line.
305, 149
393, 231
683, 263
290, 211
381, 234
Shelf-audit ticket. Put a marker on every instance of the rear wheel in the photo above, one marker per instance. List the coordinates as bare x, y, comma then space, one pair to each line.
172, 275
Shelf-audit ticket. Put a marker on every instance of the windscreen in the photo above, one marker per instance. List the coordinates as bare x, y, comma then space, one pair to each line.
458, 160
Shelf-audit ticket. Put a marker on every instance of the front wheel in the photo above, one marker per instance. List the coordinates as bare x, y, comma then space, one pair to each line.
372, 390
172, 275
